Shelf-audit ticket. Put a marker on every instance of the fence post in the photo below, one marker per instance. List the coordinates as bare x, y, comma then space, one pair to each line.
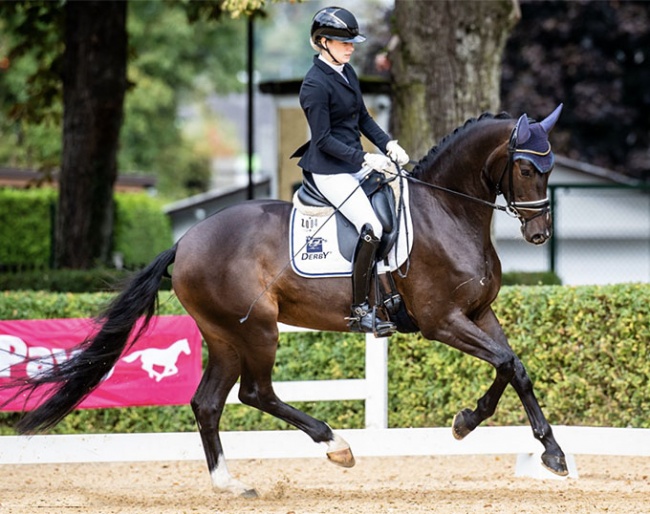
376, 381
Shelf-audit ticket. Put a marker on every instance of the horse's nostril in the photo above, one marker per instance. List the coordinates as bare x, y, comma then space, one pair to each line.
538, 239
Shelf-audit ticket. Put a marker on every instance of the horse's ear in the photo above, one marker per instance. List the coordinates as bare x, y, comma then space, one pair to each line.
522, 130
549, 122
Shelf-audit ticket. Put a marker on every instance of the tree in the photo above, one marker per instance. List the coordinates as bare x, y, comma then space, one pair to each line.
446, 65
94, 84
174, 64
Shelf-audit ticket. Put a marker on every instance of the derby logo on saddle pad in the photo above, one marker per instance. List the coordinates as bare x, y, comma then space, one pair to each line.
314, 244
314, 247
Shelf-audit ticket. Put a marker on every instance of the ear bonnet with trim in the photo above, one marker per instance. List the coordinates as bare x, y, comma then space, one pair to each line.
532, 141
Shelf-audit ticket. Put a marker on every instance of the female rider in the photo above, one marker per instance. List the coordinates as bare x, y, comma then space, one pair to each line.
333, 160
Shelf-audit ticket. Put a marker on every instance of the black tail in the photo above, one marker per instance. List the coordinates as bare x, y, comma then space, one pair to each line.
79, 376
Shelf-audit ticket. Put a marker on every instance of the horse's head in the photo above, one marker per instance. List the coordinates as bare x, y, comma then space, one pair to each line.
525, 177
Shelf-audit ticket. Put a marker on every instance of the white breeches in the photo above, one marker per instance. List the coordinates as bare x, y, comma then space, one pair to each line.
343, 191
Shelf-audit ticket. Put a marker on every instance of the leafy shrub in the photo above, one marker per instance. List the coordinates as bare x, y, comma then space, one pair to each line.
26, 228
585, 349
528, 278
142, 230
67, 281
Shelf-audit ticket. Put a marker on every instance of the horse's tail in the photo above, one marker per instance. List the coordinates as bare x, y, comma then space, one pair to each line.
77, 377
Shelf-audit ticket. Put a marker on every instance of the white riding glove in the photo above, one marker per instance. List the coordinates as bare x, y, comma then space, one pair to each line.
377, 161
397, 153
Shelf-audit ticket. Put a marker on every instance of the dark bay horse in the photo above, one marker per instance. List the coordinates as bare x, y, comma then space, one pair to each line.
239, 255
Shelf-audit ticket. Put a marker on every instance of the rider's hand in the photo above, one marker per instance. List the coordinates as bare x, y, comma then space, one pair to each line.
377, 161
397, 153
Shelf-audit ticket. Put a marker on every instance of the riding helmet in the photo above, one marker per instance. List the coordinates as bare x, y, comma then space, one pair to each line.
335, 23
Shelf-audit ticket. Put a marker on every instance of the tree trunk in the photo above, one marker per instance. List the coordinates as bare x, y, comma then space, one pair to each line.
446, 66
94, 84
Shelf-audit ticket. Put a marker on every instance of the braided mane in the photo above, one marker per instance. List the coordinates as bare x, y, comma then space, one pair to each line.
428, 159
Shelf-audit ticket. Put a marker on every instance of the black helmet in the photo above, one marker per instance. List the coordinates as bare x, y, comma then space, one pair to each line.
335, 23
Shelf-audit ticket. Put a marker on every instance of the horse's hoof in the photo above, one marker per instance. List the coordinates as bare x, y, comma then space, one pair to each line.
459, 427
249, 493
555, 464
342, 458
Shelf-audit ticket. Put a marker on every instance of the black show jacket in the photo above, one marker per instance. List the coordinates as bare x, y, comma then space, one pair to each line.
337, 117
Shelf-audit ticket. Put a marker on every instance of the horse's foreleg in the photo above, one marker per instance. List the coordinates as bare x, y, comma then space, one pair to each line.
257, 391
208, 403
467, 336
509, 369
467, 420
553, 457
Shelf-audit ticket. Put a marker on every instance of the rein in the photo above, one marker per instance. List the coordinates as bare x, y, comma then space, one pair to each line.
512, 208
492, 205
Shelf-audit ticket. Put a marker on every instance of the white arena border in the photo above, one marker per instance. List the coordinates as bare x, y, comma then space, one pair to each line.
374, 441
279, 444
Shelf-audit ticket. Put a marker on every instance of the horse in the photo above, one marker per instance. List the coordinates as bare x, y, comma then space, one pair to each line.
165, 358
234, 263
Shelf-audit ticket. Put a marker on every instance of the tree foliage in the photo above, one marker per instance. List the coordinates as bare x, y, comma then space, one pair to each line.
31, 51
594, 57
175, 62
179, 51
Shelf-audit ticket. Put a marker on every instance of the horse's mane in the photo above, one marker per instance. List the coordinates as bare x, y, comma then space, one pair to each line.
428, 159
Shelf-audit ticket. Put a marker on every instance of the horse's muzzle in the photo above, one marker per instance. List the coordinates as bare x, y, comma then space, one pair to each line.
537, 229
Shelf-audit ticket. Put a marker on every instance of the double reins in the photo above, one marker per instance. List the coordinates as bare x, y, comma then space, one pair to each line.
512, 208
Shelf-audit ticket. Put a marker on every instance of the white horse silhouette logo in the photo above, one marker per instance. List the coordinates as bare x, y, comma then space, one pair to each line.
161, 357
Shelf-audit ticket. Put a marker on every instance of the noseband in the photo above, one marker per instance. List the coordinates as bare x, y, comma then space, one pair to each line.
514, 208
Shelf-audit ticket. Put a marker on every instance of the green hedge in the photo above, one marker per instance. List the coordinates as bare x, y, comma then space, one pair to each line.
26, 227
142, 230
585, 349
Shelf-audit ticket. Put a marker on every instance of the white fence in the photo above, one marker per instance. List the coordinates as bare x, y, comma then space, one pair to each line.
375, 440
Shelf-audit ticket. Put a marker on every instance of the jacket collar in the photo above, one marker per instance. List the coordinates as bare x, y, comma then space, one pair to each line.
331, 71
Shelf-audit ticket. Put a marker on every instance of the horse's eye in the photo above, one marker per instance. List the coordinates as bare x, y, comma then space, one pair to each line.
525, 171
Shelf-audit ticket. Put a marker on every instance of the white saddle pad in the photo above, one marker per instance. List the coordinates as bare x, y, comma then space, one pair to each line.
313, 243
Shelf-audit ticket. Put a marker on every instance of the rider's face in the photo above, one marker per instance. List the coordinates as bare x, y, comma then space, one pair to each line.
340, 50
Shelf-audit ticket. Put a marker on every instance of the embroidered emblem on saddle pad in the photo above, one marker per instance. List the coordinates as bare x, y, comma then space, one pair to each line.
322, 242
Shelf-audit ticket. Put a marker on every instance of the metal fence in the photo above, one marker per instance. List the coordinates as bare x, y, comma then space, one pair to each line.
601, 236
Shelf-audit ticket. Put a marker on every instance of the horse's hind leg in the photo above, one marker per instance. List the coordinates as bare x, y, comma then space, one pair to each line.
208, 403
256, 390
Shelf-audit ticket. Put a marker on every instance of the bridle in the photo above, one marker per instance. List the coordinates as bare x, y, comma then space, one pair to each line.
512, 208
538, 207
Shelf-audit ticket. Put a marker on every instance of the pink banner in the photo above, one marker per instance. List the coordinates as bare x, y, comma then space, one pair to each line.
162, 368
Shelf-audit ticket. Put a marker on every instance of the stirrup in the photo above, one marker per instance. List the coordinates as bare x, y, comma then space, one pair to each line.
363, 319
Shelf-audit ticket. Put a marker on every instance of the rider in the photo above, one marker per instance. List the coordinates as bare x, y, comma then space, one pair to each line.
334, 160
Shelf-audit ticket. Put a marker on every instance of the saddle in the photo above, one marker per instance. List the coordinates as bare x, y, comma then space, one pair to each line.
379, 191
386, 197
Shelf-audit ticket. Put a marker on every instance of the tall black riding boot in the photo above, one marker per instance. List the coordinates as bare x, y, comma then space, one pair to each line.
363, 317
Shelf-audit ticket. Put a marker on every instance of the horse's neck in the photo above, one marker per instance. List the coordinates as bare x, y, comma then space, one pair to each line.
462, 167
462, 164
